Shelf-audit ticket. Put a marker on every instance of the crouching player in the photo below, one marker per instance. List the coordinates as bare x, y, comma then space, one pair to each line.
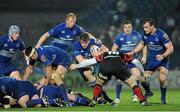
22, 92
112, 63
51, 57
54, 95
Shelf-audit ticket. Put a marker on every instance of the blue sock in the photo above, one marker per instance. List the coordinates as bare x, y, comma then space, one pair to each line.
63, 92
118, 89
81, 101
163, 93
34, 102
137, 81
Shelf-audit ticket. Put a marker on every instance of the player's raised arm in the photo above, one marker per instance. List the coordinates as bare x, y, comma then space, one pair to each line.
42, 39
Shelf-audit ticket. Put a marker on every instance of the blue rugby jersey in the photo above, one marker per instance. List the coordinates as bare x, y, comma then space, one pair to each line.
64, 36
8, 47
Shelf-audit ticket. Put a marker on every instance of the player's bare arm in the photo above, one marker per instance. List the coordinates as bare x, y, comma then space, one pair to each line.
139, 47
115, 47
42, 39
169, 50
49, 72
27, 72
144, 55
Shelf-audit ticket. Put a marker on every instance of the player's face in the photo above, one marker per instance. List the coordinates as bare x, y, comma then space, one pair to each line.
127, 29
148, 29
34, 56
70, 22
84, 44
15, 36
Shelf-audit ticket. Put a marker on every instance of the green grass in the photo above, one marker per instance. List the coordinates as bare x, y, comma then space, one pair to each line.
173, 103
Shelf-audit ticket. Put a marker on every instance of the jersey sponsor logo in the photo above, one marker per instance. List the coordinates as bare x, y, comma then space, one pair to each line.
68, 36
151, 43
43, 58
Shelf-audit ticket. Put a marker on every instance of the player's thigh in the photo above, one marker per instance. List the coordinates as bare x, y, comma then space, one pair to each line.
22, 101
148, 73
15, 74
135, 73
100, 79
61, 70
131, 82
89, 76
163, 73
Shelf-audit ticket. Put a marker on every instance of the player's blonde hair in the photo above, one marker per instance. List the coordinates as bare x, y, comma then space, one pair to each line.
70, 15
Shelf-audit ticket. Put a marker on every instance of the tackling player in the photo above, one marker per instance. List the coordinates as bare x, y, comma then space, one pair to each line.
112, 63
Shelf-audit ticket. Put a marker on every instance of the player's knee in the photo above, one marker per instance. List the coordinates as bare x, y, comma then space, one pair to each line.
162, 76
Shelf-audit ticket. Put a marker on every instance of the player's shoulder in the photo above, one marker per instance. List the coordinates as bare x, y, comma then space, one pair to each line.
135, 32
3, 37
61, 25
160, 32
76, 44
20, 40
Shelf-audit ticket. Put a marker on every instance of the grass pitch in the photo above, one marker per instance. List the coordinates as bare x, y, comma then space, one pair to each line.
173, 103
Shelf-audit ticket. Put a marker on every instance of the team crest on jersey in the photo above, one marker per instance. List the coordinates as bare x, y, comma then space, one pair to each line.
43, 58
17, 45
121, 39
156, 39
5, 45
62, 31
74, 32
166, 37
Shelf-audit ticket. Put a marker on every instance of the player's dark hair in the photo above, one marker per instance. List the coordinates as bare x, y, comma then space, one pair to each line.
150, 21
126, 22
84, 36
28, 50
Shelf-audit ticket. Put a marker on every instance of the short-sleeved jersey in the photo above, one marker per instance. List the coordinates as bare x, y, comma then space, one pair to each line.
64, 36
77, 49
155, 43
50, 55
8, 47
127, 43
